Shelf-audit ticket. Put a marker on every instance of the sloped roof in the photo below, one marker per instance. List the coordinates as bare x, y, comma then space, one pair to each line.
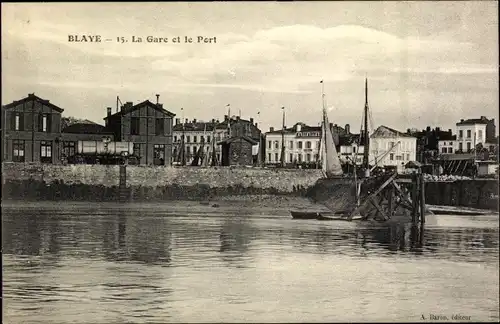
445, 136
30, 98
349, 139
127, 110
199, 126
384, 131
293, 129
237, 138
473, 121
84, 128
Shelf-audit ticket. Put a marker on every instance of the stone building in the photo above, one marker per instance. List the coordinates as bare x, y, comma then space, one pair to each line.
31, 130
148, 126
237, 150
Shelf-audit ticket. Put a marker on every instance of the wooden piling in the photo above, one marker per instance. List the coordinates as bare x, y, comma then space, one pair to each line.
422, 198
414, 194
122, 187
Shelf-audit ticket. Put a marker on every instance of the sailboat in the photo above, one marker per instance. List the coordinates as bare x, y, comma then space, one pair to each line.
330, 162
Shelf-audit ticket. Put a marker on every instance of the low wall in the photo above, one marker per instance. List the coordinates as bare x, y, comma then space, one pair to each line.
100, 182
478, 193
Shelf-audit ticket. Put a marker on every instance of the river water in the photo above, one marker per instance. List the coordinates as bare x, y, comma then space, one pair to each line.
186, 262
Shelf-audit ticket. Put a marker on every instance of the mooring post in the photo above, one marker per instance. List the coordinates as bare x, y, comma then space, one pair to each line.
414, 196
422, 198
122, 187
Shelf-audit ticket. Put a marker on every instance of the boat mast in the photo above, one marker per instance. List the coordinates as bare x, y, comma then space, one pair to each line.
366, 150
324, 121
283, 139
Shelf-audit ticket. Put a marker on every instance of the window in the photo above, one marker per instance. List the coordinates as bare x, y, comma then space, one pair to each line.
208, 139
175, 138
468, 133
269, 144
69, 149
46, 152
354, 149
308, 145
137, 149
276, 144
44, 123
159, 126
18, 151
188, 139
391, 156
195, 139
276, 157
450, 149
460, 133
269, 156
134, 125
299, 144
17, 122
398, 157
407, 157
188, 150
159, 154
468, 146
202, 139
451, 143
460, 146
308, 156
300, 158
291, 145
291, 157
480, 135
444, 150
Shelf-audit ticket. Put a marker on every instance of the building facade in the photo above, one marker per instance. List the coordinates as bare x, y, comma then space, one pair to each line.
148, 126
301, 144
471, 132
31, 131
196, 132
389, 147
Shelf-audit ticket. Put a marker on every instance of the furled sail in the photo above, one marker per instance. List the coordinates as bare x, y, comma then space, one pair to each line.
330, 159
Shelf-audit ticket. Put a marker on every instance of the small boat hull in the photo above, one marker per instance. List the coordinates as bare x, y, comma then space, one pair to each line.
305, 215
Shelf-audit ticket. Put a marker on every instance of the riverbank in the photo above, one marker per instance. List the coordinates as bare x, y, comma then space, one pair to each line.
25, 181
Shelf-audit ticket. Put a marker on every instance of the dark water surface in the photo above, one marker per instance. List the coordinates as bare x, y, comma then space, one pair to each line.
184, 262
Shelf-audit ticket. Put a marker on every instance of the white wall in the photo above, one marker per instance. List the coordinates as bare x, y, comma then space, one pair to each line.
273, 148
448, 146
465, 140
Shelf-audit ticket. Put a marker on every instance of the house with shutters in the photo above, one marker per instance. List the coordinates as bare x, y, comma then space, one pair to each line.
31, 130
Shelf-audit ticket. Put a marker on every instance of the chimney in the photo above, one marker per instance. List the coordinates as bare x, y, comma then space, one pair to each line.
408, 131
217, 121
194, 120
160, 106
238, 118
461, 120
226, 117
251, 120
484, 118
127, 105
256, 125
271, 129
157, 99
187, 121
298, 127
177, 121
108, 111
449, 130
347, 129
213, 120
438, 129
428, 128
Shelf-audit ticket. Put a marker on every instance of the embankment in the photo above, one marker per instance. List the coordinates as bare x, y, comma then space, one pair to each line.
102, 183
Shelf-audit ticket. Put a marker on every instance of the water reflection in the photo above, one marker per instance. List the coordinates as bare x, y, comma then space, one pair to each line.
165, 263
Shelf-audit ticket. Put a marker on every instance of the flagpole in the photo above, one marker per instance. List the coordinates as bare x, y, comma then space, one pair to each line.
283, 140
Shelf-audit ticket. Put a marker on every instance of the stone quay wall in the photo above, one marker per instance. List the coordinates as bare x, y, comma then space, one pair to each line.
101, 182
151, 183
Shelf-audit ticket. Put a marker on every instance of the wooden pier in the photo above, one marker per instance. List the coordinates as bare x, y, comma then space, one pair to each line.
392, 196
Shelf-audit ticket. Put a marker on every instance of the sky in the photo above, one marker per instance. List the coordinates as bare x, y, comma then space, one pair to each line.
427, 63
